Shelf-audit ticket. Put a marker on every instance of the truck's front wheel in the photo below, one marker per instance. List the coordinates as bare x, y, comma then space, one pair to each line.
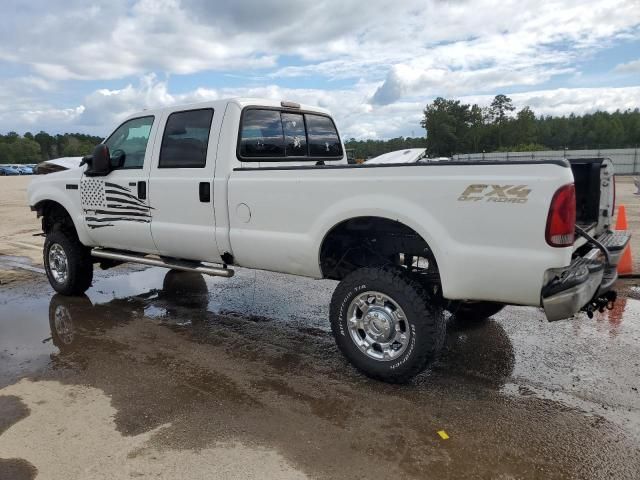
68, 264
385, 324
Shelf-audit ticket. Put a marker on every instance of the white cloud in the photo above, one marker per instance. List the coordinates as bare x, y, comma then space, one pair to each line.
113, 40
629, 67
388, 60
543, 39
118, 38
409, 80
103, 109
564, 101
39, 118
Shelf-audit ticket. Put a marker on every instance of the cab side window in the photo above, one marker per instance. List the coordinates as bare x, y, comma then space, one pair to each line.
185, 139
131, 138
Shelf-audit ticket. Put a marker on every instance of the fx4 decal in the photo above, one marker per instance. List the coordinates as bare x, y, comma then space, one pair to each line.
479, 192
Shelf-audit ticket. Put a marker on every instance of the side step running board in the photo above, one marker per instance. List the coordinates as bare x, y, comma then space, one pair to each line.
182, 265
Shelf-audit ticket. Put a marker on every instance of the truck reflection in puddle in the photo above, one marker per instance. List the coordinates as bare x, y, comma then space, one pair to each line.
481, 352
183, 293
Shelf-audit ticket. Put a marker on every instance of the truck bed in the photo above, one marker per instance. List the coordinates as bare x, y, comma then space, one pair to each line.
472, 236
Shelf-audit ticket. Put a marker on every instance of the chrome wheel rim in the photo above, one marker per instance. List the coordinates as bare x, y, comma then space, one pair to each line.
58, 263
378, 326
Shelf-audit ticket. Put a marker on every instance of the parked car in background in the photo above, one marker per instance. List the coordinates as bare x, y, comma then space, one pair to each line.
24, 169
8, 170
409, 155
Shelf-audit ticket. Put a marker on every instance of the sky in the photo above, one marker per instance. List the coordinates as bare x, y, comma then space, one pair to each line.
81, 66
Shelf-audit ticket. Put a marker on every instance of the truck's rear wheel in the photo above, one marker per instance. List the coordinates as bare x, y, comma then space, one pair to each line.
385, 324
68, 263
474, 311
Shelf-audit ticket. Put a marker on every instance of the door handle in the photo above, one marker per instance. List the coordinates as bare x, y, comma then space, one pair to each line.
142, 190
204, 190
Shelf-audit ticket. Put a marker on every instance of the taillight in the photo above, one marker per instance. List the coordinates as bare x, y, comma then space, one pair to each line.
561, 222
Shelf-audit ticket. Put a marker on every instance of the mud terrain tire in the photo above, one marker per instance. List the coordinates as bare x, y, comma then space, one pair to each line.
401, 297
68, 263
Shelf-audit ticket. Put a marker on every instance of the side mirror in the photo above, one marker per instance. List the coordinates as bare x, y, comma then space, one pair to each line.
100, 163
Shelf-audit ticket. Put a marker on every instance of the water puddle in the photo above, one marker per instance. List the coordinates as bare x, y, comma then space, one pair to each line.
10, 262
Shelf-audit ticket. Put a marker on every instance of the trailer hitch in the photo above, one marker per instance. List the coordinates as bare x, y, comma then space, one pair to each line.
604, 301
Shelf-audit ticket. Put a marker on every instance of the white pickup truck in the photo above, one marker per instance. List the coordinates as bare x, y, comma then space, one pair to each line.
266, 185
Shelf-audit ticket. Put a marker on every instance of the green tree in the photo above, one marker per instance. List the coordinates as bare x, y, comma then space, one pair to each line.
477, 129
500, 108
11, 137
26, 151
447, 123
499, 111
524, 127
19, 150
74, 147
46, 143
458, 128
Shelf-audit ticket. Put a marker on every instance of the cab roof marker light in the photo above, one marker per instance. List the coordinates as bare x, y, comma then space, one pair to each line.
286, 104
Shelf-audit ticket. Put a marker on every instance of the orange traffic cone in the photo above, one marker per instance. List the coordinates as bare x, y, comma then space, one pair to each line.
621, 221
625, 266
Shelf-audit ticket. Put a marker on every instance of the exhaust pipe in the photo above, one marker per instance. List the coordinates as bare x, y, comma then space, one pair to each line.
182, 265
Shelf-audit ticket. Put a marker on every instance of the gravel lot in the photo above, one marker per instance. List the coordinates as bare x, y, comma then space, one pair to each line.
154, 375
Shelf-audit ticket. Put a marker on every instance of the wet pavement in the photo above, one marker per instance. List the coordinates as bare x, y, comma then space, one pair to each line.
167, 365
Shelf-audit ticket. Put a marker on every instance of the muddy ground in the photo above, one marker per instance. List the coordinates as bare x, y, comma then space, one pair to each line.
161, 375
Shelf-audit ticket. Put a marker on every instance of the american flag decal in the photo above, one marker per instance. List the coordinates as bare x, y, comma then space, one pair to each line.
105, 203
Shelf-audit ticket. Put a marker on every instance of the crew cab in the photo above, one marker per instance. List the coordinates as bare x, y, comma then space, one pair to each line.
263, 184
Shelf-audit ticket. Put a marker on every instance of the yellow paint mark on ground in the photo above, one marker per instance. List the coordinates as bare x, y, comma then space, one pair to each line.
443, 434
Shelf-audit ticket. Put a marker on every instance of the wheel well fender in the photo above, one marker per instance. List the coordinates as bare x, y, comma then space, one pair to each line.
52, 213
383, 240
45, 192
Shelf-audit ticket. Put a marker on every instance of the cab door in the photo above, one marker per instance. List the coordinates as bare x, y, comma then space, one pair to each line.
181, 185
116, 207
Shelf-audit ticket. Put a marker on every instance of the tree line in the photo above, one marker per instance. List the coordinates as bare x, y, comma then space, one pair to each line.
454, 127
30, 148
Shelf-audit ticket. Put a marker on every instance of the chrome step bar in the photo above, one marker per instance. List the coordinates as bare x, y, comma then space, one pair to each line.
182, 265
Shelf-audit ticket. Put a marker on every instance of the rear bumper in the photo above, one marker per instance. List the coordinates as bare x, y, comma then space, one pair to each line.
566, 302
587, 278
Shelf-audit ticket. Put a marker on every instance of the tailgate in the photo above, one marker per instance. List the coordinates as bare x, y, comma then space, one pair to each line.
595, 194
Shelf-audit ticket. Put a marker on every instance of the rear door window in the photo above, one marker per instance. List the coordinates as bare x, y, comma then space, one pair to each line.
185, 139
